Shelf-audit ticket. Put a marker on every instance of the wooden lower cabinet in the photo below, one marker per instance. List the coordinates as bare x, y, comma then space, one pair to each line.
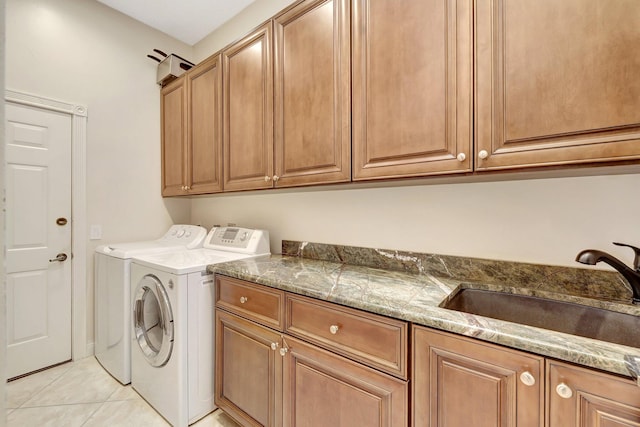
460, 382
580, 397
264, 377
324, 389
248, 371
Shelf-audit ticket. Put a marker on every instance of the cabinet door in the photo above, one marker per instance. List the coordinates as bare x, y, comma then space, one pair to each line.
248, 371
313, 93
204, 142
412, 87
248, 112
323, 389
460, 382
586, 398
173, 138
557, 82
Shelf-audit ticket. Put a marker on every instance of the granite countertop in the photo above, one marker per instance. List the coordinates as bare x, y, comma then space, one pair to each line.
416, 298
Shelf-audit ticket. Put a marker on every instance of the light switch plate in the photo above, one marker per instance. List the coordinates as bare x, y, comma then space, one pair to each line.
95, 232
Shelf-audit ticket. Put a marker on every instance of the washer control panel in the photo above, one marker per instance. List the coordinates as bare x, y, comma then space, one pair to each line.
238, 239
189, 235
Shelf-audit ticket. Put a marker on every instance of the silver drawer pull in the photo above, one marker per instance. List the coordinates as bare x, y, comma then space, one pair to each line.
334, 329
243, 300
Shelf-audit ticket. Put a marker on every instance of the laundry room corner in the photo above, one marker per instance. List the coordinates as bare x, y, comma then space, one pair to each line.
115, 80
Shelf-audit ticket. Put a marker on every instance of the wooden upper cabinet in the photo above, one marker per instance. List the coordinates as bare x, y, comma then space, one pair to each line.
191, 108
557, 82
173, 136
248, 111
204, 140
312, 93
412, 87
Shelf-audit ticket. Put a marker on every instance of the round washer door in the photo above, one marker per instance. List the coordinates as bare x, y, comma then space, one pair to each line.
153, 321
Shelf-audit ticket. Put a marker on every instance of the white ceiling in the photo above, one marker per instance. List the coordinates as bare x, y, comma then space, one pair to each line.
186, 20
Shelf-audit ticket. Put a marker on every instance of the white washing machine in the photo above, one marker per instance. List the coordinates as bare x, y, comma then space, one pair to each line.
172, 354
113, 294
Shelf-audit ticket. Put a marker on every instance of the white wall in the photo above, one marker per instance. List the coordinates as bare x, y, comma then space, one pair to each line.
3, 301
82, 52
544, 220
252, 16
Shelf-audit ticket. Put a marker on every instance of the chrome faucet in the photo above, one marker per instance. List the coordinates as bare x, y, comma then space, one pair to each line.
632, 275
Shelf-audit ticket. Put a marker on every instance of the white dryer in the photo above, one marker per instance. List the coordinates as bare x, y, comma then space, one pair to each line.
113, 294
172, 354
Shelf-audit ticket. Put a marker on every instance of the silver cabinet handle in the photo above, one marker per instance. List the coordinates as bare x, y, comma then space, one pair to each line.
59, 258
267, 178
275, 178
283, 351
483, 154
461, 157
243, 300
274, 346
334, 329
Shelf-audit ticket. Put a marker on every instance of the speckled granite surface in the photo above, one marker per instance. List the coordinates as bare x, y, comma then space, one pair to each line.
572, 281
415, 295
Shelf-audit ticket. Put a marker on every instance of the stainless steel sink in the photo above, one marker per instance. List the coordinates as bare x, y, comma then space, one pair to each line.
560, 316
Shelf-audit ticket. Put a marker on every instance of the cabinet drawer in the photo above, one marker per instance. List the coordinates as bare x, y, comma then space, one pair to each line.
374, 340
254, 302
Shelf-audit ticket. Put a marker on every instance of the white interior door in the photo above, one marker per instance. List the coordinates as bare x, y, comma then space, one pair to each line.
38, 229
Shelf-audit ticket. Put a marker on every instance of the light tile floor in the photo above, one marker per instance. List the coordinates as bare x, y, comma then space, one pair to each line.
83, 394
